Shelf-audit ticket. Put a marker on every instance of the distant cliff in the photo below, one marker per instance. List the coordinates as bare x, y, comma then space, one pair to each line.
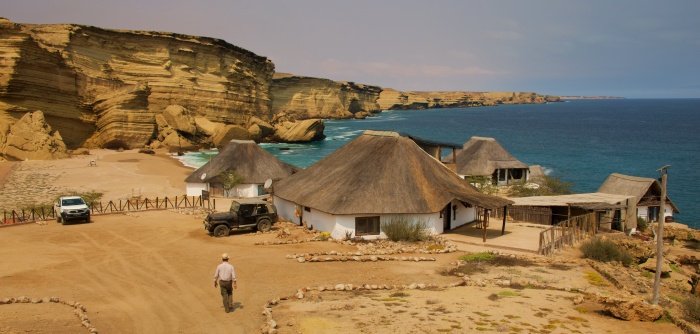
299, 97
104, 88
391, 99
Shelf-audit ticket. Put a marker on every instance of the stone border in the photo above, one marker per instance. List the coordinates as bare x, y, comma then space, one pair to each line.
79, 309
314, 257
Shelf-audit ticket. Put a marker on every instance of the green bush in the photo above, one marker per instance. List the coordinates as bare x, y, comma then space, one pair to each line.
642, 224
405, 229
478, 257
691, 309
606, 250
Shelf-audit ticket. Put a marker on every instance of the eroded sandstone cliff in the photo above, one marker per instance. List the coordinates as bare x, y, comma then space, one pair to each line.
104, 88
390, 99
299, 97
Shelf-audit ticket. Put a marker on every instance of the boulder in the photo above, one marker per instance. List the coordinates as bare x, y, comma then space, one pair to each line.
260, 129
630, 309
207, 127
176, 142
650, 265
179, 119
300, 132
228, 133
31, 138
81, 151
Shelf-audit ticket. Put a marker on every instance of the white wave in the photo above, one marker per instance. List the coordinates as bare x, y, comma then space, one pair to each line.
547, 170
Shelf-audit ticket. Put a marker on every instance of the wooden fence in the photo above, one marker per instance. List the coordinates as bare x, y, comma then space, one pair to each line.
115, 206
531, 214
567, 233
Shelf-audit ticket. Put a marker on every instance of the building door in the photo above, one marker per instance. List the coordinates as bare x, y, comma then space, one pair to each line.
447, 217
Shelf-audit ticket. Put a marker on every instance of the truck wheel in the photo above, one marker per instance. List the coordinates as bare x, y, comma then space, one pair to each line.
58, 218
264, 225
221, 231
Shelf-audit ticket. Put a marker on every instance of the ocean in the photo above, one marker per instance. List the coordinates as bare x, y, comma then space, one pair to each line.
580, 141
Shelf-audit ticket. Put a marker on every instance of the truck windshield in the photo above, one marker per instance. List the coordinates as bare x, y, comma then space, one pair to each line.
72, 201
235, 206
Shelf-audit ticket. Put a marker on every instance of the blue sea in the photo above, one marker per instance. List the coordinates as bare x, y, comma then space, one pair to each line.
580, 141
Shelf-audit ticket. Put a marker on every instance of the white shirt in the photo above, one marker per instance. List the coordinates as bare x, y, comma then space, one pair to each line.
225, 272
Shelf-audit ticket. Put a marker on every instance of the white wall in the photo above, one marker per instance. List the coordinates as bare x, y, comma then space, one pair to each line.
285, 210
337, 225
195, 189
643, 211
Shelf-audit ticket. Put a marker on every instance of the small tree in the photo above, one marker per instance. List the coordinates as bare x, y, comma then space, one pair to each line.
229, 179
483, 183
547, 186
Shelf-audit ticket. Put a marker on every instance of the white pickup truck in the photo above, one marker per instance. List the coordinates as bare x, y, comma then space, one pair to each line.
70, 208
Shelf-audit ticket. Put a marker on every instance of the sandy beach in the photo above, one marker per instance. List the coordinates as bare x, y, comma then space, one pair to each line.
118, 175
152, 271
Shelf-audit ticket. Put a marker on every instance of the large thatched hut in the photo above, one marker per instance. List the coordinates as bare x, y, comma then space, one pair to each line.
484, 156
647, 192
379, 175
251, 162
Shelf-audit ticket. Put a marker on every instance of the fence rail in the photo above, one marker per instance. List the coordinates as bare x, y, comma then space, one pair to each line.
114, 206
567, 233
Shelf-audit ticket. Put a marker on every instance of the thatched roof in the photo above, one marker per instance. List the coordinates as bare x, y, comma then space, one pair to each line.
646, 190
380, 172
248, 159
483, 155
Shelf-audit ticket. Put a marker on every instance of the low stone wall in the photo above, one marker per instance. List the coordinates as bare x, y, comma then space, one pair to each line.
79, 309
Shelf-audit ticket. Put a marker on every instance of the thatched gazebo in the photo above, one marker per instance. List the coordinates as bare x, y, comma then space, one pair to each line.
647, 192
379, 175
251, 162
484, 156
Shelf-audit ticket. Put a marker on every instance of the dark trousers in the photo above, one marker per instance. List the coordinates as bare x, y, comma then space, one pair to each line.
227, 294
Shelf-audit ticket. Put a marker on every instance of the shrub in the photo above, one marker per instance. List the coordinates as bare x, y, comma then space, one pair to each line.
547, 186
691, 309
405, 229
642, 224
605, 250
477, 257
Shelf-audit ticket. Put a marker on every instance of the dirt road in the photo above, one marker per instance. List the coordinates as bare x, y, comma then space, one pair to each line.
152, 272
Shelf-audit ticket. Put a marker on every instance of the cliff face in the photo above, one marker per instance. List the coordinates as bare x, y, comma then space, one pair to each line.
297, 97
390, 99
104, 88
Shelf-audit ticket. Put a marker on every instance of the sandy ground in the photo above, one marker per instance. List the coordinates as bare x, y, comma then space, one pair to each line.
118, 175
152, 272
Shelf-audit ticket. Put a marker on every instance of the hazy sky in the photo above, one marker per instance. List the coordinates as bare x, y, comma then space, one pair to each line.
636, 49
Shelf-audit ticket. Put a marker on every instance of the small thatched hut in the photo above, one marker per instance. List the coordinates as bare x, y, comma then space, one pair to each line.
647, 192
250, 161
379, 175
484, 156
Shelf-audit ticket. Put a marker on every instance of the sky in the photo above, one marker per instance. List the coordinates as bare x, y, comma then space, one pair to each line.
633, 49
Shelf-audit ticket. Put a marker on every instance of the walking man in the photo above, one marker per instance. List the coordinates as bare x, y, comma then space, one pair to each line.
225, 277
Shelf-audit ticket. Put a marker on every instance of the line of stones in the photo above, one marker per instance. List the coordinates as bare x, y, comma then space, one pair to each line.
302, 258
79, 309
270, 325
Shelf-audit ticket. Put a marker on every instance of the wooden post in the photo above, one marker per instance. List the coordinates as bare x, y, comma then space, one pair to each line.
485, 222
660, 236
505, 213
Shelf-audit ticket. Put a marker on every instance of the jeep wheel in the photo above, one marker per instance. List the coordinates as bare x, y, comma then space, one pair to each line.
221, 231
264, 225
58, 218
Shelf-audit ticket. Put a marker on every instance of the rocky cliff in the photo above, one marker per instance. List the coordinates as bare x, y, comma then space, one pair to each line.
104, 88
390, 99
299, 97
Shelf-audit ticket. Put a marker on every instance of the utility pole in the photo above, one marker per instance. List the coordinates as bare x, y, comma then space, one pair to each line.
660, 235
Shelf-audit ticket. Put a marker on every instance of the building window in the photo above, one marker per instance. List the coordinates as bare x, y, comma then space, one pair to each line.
367, 225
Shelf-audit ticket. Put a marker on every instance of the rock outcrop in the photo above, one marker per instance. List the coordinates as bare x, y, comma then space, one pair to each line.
299, 98
390, 99
31, 138
104, 88
303, 131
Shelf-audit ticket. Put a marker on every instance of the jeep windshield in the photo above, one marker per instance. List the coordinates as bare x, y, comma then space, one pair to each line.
72, 201
235, 206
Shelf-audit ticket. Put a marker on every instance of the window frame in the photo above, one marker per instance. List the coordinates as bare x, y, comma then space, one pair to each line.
370, 224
